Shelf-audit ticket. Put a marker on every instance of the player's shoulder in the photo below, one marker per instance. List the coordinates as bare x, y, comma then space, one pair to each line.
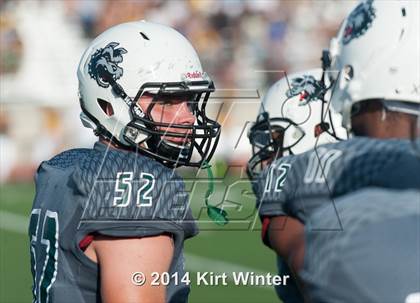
368, 151
128, 185
358, 150
64, 163
66, 159
360, 145
355, 148
387, 163
108, 163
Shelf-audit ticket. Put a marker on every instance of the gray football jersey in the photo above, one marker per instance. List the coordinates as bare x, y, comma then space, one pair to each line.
297, 185
373, 257
103, 191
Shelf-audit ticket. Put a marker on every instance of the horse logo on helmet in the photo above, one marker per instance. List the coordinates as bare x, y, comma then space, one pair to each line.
103, 65
307, 88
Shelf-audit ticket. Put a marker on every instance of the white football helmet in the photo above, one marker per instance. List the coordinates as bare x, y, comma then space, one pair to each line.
376, 56
293, 118
134, 58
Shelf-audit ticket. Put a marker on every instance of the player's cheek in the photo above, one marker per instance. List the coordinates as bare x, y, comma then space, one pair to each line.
158, 113
174, 114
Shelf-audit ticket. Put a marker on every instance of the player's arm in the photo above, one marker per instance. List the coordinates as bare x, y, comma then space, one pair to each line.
119, 258
286, 236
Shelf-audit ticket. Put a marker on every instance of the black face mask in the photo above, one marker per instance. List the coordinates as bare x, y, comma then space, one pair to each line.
267, 140
201, 138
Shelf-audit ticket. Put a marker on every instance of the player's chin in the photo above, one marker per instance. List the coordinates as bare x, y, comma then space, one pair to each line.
177, 140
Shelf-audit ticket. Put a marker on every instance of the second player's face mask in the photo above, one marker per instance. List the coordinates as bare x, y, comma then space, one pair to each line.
267, 136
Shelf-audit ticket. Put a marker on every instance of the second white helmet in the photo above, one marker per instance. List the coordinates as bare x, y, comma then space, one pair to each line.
293, 118
376, 56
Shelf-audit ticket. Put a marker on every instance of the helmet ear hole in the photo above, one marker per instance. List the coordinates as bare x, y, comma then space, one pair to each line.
106, 107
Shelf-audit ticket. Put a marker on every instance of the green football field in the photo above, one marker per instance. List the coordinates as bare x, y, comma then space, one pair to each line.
232, 248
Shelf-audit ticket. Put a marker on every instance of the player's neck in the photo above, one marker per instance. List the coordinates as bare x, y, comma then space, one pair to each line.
390, 126
115, 146
112, 145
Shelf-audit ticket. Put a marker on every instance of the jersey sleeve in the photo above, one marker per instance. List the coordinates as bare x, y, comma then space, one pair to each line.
123, 194
389, 167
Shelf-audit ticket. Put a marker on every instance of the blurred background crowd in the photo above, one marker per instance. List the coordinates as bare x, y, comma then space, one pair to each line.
244, 46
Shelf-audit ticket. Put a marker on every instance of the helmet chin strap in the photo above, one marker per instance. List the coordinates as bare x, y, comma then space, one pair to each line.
172, 151
218, 215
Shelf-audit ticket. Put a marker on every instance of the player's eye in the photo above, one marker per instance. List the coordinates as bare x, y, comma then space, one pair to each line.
175, 99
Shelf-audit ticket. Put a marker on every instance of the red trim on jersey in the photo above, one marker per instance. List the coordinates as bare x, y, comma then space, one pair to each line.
85, 242
264, 230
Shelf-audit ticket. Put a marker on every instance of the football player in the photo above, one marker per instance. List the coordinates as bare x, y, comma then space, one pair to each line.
288, 124
381, 92
108, 223
371, 250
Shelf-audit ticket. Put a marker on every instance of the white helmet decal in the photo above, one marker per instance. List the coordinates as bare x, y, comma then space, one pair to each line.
359, 21
307, 87
103, 64
375, 56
